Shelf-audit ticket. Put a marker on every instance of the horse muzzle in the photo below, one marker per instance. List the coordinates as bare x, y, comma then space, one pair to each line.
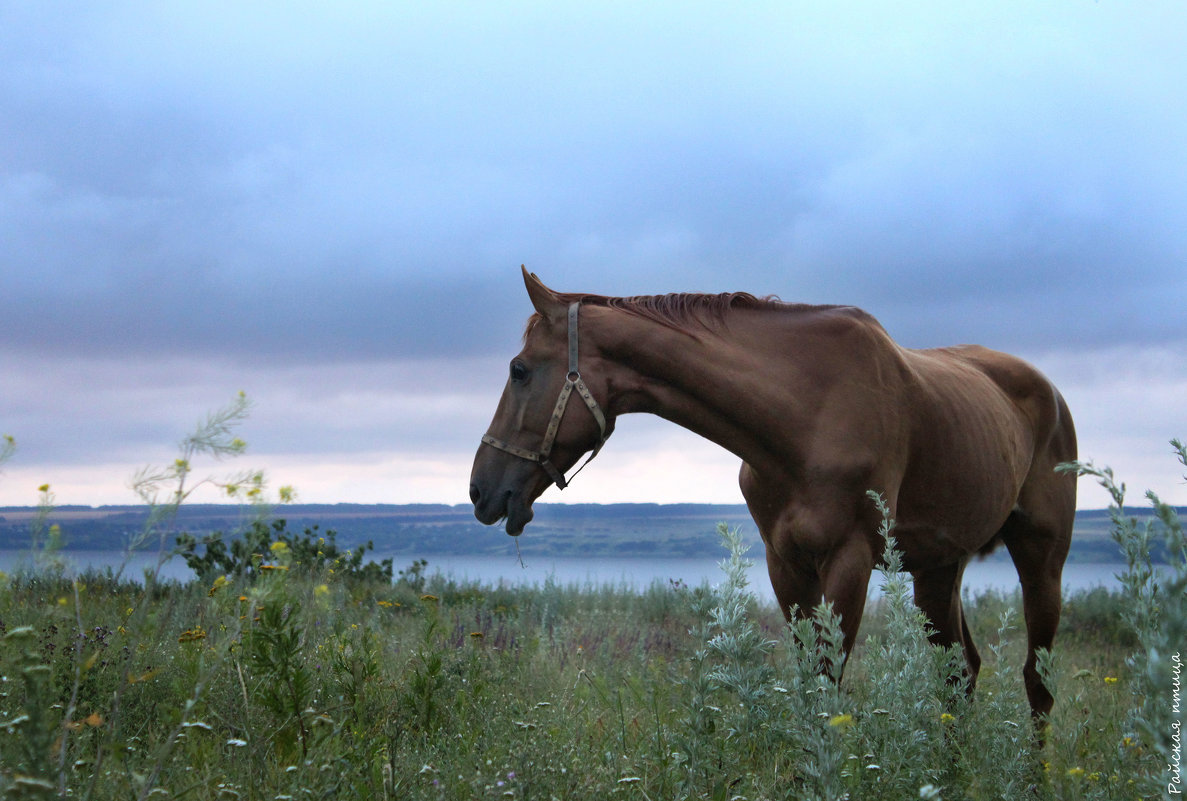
491, 507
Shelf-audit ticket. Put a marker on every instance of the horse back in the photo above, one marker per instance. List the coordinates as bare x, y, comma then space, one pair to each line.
982, 424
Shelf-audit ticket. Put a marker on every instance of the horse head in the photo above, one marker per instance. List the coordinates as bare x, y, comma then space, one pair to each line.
537, 434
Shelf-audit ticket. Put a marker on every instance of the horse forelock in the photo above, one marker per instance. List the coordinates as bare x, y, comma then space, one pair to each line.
683, 311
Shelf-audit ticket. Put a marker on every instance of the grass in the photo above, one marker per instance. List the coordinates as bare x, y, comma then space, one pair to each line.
291, 685
291, 670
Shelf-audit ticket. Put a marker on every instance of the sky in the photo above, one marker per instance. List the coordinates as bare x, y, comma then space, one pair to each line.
325, 206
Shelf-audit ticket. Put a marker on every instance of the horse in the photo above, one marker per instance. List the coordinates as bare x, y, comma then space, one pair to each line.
821, 405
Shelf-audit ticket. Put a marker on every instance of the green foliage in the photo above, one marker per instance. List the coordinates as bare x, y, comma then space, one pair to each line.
288, 670
263, 544
1155, 610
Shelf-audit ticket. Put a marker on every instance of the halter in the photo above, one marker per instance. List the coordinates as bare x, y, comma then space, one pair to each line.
572, 381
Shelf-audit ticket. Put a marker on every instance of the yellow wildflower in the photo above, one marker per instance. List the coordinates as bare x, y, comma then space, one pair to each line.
321, 589
947, 718
429, 598
219, 583
1075, 771
280, 546
841, 721
478, 635
192, 635
1111, 679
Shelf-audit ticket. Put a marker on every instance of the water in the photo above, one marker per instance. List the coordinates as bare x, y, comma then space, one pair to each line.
590, 571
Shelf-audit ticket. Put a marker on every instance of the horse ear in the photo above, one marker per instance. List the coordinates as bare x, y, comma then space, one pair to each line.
544, 299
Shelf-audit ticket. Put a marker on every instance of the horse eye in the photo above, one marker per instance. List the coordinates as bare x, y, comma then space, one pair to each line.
518, 372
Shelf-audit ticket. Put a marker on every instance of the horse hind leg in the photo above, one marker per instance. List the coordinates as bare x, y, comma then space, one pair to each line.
937, 594
1038, 534
1038, 551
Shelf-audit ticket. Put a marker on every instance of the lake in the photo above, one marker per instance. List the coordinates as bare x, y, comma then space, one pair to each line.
635, 573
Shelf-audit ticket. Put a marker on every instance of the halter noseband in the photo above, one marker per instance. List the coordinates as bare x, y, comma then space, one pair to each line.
572, 381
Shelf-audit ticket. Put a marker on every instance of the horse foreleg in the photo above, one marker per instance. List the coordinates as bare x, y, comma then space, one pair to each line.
937, 594
797, 589
846, 577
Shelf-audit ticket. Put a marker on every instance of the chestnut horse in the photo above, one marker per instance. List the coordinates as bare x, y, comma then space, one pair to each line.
821, 405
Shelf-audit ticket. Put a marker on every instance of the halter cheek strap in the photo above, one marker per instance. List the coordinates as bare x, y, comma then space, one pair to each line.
572, 381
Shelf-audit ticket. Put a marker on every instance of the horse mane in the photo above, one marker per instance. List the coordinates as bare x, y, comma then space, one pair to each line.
680, 310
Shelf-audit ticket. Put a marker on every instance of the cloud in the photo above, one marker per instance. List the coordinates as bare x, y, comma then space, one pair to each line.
327, 206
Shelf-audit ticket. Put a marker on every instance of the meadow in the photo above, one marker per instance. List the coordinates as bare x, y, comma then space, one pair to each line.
291, 668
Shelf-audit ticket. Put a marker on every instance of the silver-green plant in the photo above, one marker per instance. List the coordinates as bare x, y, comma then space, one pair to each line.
917, 686
1156, 610
744, 668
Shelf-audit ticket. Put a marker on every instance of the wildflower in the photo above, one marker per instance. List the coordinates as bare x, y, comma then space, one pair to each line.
1128, 742
427, 598
243, 598
287, 494
274, 567
386, 604
63, 601
478, 635
219, 583
947, 718
192, 635
1111, 679
841, 721
321, 590
1075, 771
280, 546
43, 488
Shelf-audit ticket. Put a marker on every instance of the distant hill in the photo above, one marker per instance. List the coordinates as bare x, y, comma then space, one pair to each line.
413, 530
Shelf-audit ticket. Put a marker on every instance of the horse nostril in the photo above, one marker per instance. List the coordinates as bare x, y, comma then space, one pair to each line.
475, 494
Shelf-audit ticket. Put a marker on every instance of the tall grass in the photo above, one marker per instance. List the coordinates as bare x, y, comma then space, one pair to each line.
301, 679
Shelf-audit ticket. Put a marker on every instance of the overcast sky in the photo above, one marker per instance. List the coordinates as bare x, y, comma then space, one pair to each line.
326, 206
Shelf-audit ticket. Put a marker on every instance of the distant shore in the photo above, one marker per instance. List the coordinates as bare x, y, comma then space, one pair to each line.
683, 530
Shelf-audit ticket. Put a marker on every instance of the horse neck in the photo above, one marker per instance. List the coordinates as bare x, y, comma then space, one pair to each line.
728, 384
